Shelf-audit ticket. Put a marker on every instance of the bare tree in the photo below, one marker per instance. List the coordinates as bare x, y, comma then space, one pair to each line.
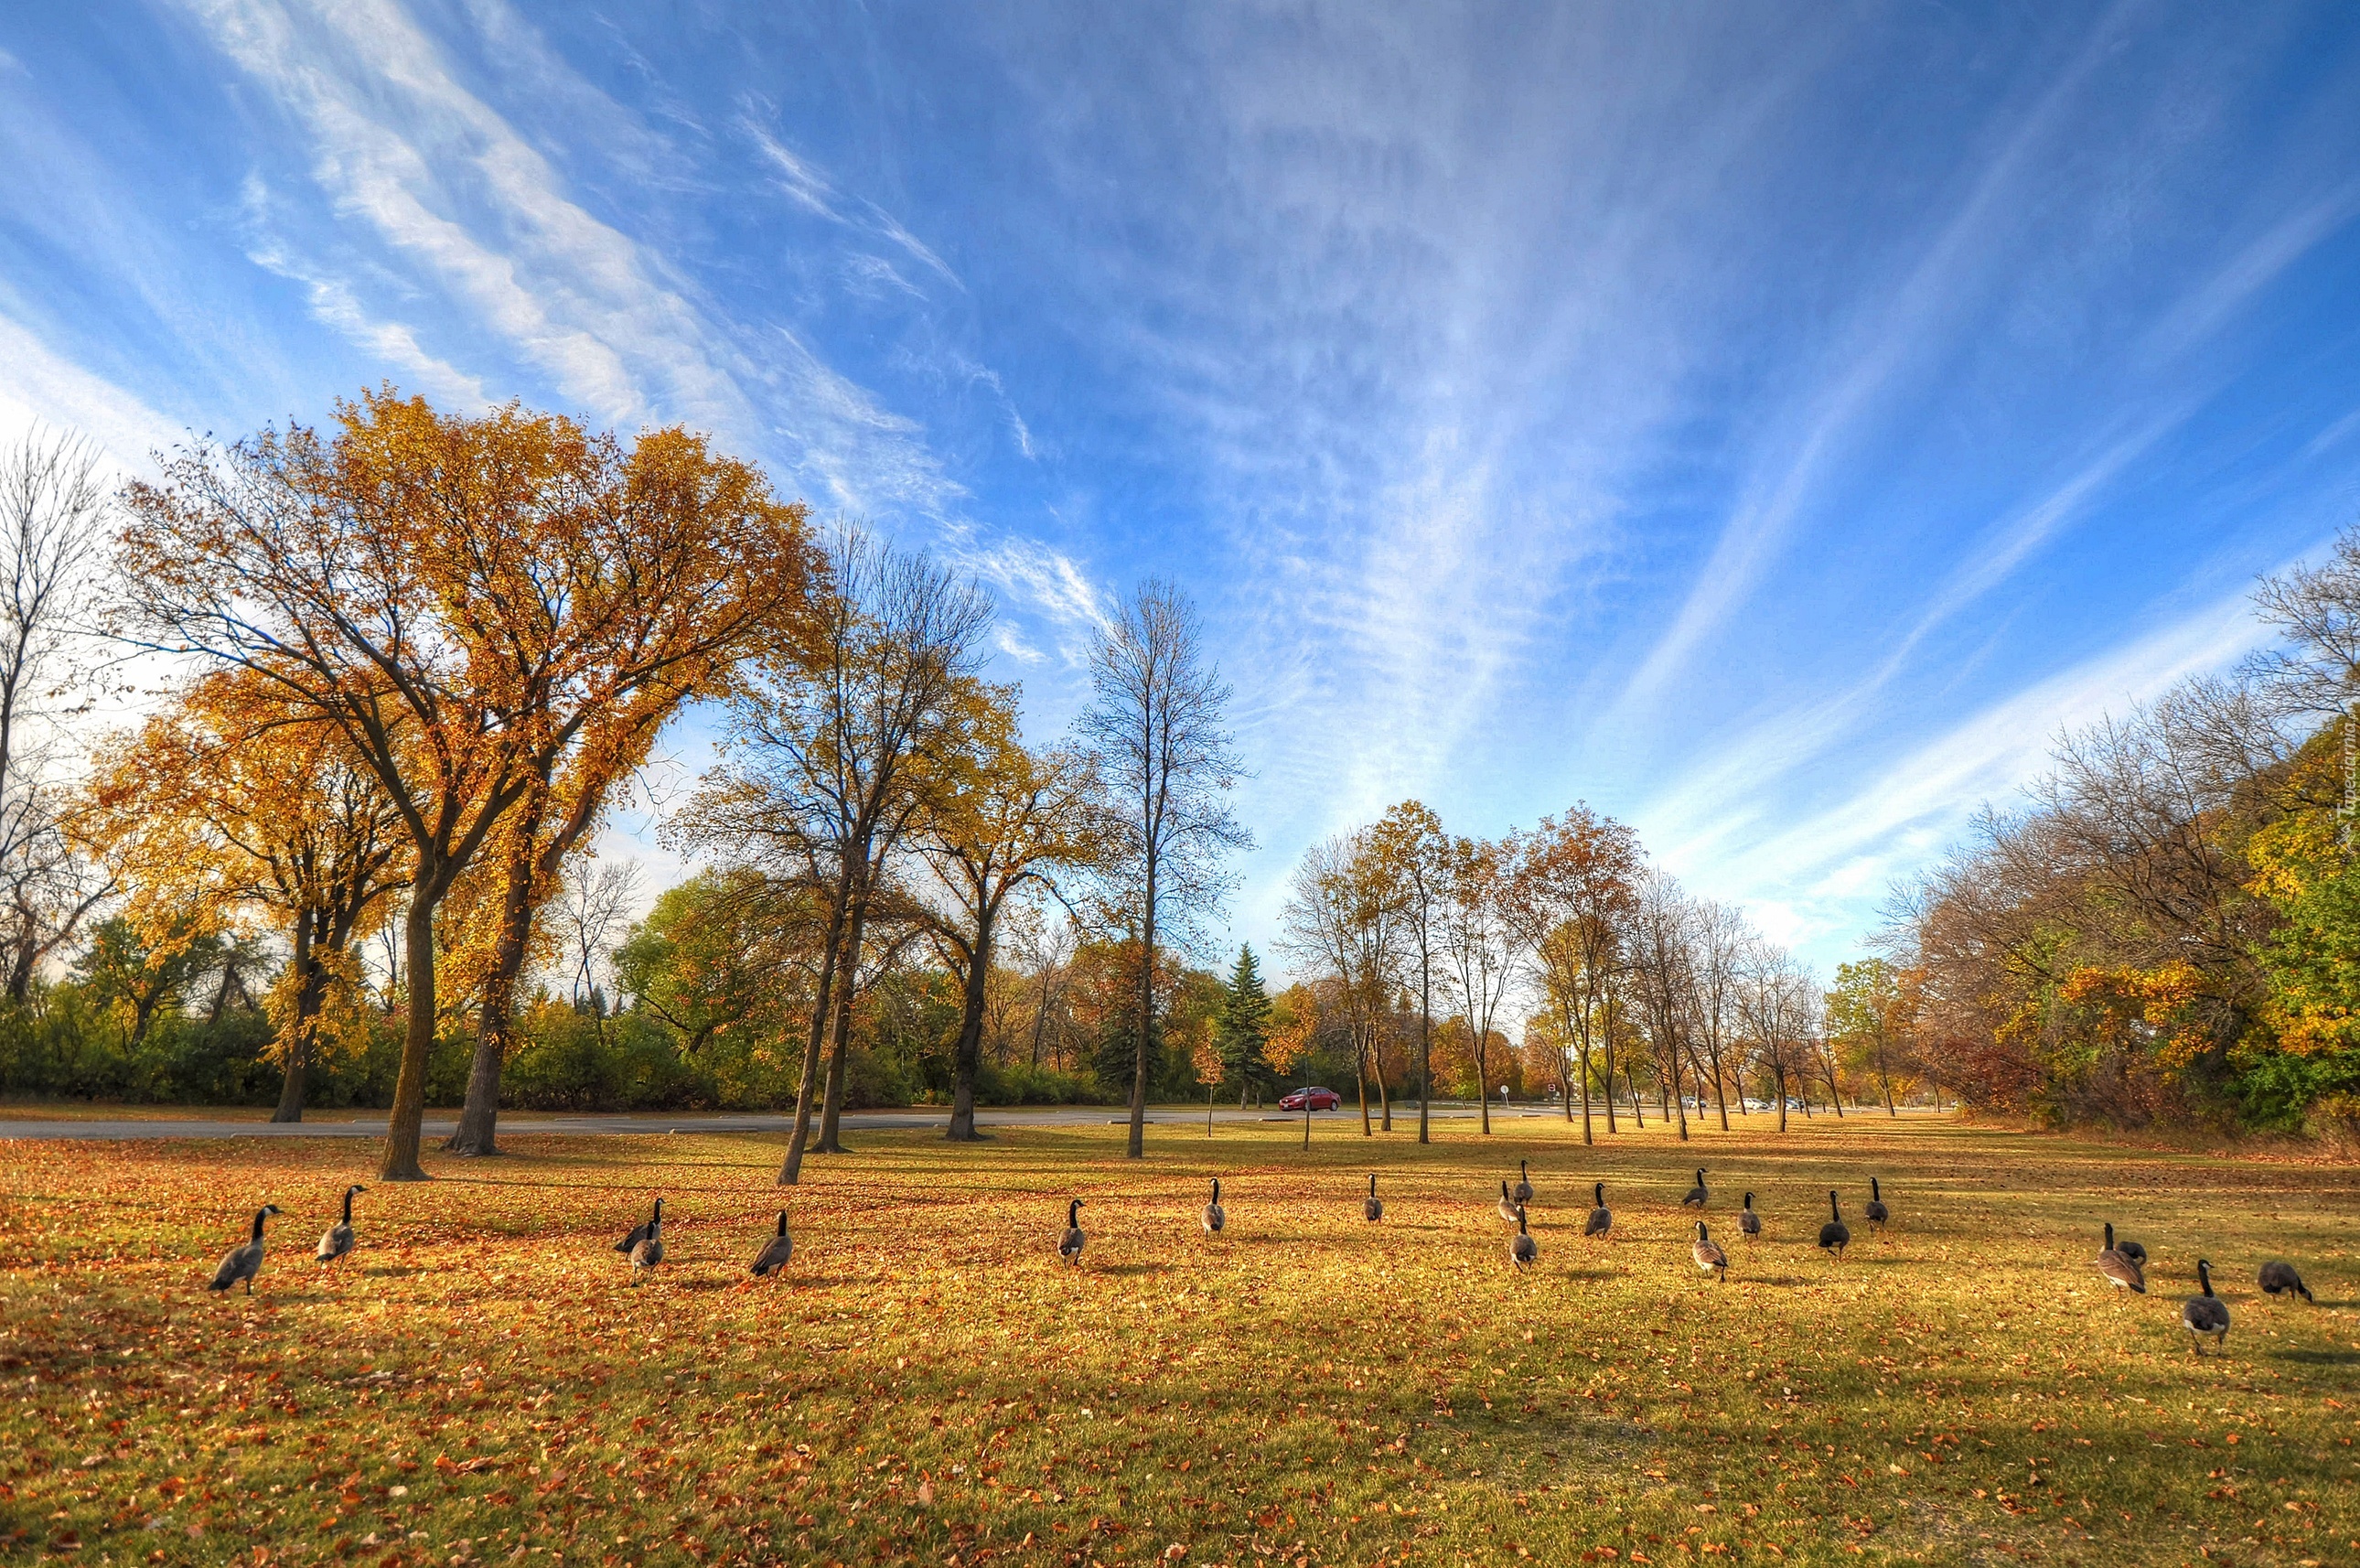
1168, 762
53, 505
595, 900
1719, 936
1415, 849
1344, 917
1663, 966
830, 740
1483, 944
1576, 898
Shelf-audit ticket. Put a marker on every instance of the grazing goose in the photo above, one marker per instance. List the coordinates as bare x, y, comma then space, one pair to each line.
1696, 1195
644, 1245
1708, 1256
244, 1262
1523, 1183
1508, 1210
1521, 1248
1370, 1209
2279, 1278
2121, 1269
1215, 1215
1876, 1212
1748, 1222
776, 1252
2206, 1313
1069, 1245
336, 1241
1835, 1235
1601, 1218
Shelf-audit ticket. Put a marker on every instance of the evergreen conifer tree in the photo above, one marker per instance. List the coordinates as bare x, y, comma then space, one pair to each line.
1242, 1030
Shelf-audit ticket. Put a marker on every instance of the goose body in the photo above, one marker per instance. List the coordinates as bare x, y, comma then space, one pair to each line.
2132, 1251
2122, 1270
1708, 1254
1601, 1218
1069, 1245
1508, 1210
2204, 1313
1696, 1195
644, 1246
338, 1239
1835, 1235
2280, 1280
243, 1263
776, 1253
1215, 1215
1748, 1222
1876, 1212
1523, 1183
1521, 1248
1371, 1209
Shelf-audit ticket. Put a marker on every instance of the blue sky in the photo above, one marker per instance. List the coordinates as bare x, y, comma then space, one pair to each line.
1768, 424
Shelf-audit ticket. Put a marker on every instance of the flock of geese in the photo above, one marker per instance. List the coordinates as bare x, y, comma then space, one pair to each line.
2122, 1262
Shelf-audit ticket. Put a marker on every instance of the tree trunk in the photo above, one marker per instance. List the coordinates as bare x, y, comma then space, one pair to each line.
293, 1083
1384, 1100
823, 995
970, 1041
404, 1128
1631, 1082
1608, 1049
478, 1128
1361, 1080
1136, 1147
1585, 1098
1424, 1041
1483, 1081
1779, 1084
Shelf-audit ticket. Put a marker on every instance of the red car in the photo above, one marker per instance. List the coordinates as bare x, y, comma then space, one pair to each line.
1312, 1099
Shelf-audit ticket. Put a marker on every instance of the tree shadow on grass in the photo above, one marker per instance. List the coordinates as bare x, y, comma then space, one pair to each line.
2318, 1357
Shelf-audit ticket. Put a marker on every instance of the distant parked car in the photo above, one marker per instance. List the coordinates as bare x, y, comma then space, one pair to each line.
1312, 1099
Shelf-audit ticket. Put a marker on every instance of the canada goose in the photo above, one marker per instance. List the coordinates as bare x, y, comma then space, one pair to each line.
1521, 1248
1876, 1212
1069, 1245
2132, 1251
1508, 1210
644, 1245
776, 1252
2120, 1269
244, 1263
1523, 1183
2278, 1278
337, 1239
1696, 1195
1601, 1219
1708, 1256
1748, 1222
1215, 1215
1835, 1235
1370, 1209
2206, 1313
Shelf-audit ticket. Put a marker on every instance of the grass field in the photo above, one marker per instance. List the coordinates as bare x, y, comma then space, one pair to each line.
930, 1385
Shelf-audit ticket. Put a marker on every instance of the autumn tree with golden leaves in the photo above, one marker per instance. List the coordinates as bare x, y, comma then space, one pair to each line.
233, 806
489, 609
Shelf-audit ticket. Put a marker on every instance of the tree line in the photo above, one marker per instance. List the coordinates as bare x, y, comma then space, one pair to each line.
418, 657
2166, 930
1423, 948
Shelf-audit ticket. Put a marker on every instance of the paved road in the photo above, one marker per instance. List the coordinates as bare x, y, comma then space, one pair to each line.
642, 1124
